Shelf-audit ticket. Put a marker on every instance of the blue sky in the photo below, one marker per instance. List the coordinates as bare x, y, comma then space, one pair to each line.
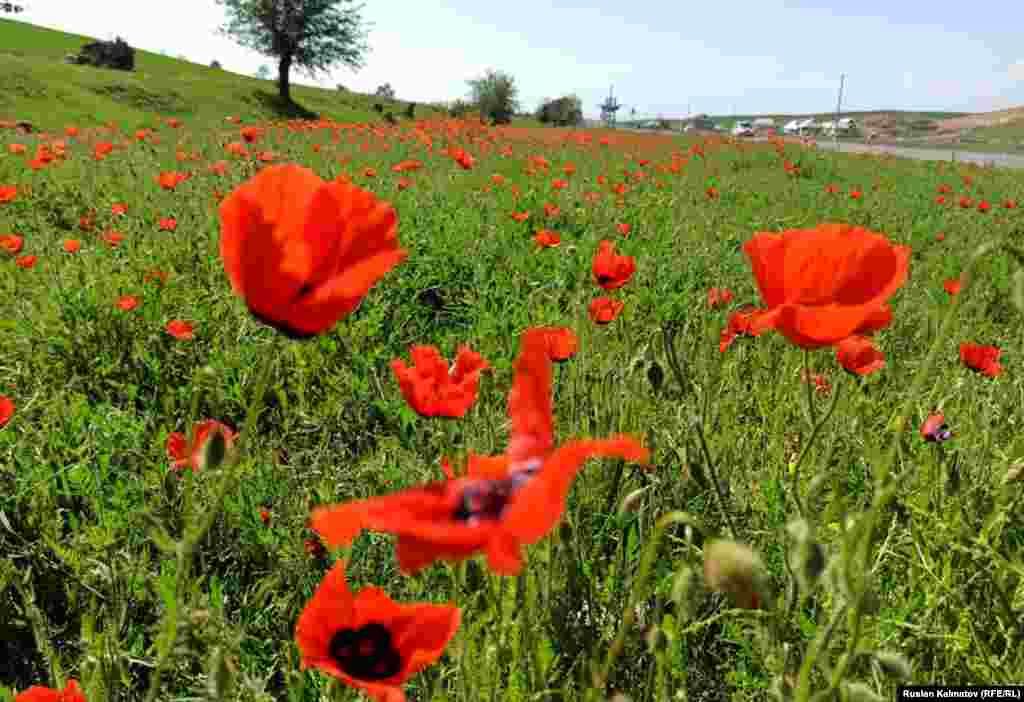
662, 57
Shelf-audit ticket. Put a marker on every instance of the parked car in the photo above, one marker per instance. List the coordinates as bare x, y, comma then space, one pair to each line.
743, 128
800, 126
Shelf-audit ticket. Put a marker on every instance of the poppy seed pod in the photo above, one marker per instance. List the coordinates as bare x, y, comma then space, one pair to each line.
735, 569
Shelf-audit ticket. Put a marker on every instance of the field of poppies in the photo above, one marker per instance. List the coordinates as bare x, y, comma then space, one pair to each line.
309, 410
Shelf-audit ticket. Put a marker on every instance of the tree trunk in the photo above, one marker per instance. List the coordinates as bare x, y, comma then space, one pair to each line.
284, 86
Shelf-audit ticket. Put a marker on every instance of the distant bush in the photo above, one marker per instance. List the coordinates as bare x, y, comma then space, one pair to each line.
215, 64
566, 111
11, 8
385, 91
459, 108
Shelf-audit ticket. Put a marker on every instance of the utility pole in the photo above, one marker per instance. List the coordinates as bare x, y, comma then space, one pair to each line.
839, 106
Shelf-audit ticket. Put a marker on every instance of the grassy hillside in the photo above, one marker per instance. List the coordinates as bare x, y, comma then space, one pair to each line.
34, 79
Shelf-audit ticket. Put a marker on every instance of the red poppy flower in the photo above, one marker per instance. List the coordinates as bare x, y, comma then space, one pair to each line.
169, 180
265, 516
498, 179
547, 238
604, 310
966, 202
156, 277
1010, 204
462, 157
953, 286
303, 253
856, 194
17, 148
128, 303
502, 503
940, 237
102, 150
551, 210
168, 224
711, 192
984, 206
935, 429
562, 342
72, 245
180, 330
407, 165
404, 183
6, 409
367, 640
623, 228
113, 238
37, 693
858, 354
119, 208
984, 359
236, 148
940, 200
719, 296
945, 189
172, 122
8, 193
559, 184
744, 322
831, 189
25, 262
611, 271
250, 134
186, 454
434, 390
11, 243
822, 285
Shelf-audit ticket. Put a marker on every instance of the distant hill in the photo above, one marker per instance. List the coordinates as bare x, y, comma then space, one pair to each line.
37, 86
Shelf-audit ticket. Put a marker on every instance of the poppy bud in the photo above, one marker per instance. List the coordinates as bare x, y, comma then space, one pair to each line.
808, 558
221, 675
656, 640
859, 692
213, 451
734, 568
1015, 473
894, 664
632, 503
655, 375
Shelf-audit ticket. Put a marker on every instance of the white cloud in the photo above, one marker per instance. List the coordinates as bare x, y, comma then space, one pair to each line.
1016, 70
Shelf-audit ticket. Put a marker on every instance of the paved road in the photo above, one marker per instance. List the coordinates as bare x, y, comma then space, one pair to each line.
985, 159
981, 158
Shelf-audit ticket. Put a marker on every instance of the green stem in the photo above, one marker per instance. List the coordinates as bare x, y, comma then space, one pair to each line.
600, 678
860, 540
191, 538
818, 426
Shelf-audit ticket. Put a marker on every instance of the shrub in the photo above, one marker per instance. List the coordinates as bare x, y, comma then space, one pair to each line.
495, 95
561, 112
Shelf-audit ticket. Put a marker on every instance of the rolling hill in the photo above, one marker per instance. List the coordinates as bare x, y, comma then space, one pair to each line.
34, 77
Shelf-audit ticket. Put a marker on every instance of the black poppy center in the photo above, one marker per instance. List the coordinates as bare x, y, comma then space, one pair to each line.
366, 653
487, 499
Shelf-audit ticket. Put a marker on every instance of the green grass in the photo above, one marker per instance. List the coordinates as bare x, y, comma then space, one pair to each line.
89, 584
33, 78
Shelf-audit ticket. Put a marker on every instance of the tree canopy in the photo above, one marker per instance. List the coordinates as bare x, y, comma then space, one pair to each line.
309, 35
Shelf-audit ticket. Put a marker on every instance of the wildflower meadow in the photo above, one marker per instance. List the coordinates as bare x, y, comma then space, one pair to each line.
311, 410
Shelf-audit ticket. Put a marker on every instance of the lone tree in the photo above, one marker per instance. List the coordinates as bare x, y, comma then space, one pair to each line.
311, 35
495, 95
11, 8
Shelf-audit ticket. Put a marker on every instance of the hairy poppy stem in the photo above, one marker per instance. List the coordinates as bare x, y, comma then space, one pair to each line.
859, 543
600, 677
185, 548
